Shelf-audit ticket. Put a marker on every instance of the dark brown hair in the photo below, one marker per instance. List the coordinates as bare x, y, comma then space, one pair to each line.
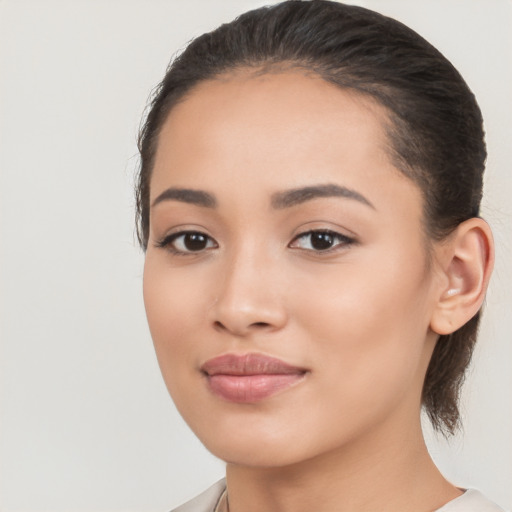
435, 125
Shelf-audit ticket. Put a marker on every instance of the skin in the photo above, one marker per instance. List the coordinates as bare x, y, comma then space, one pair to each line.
358, 317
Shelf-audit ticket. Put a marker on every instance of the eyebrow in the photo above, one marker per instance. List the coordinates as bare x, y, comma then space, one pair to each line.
187, 195
297, 196
279, 200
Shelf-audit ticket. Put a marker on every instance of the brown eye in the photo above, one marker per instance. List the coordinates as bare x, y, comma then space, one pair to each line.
188, 242
195, 241
321, 240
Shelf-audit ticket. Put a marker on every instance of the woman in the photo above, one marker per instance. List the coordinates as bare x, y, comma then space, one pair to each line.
308, 200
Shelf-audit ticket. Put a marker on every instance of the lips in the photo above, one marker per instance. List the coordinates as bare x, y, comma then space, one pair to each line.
249, 378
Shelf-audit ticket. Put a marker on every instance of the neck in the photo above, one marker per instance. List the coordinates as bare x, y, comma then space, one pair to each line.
388, 470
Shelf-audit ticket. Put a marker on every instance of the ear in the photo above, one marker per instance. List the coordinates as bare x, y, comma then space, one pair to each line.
466, 262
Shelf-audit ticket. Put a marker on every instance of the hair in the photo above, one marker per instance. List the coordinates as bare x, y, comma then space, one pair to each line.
434, 124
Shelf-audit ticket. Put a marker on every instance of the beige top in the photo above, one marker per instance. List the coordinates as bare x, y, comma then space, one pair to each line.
214, 500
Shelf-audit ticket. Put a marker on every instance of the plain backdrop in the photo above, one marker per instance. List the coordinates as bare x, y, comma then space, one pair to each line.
86, 423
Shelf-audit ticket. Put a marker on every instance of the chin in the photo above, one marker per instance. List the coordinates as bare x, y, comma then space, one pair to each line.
256, 454
259, 445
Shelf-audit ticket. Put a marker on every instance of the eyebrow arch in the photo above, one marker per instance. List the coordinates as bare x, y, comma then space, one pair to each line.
187, 195
297, 196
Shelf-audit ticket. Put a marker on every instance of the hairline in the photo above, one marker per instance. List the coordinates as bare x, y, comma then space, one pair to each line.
252, 69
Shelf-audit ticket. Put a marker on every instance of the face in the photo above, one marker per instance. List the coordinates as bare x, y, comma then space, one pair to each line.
286, 280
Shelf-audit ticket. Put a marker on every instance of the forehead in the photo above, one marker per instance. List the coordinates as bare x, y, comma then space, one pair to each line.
243, 113
277, 100
271, 131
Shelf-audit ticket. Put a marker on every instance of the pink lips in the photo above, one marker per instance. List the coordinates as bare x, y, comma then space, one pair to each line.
250, 377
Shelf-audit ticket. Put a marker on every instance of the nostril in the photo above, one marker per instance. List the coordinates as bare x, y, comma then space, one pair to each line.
255, 325
218, 325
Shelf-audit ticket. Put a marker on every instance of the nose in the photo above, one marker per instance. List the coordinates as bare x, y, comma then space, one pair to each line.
250, 298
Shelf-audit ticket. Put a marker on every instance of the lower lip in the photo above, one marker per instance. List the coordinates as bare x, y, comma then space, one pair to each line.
251, 388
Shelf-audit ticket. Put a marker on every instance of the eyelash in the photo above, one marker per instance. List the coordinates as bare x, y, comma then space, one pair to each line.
167, 242
343, 241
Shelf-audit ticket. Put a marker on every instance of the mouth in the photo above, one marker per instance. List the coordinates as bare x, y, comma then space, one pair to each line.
249, 378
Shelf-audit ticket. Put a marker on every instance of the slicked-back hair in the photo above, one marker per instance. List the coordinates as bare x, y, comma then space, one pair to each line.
434, 127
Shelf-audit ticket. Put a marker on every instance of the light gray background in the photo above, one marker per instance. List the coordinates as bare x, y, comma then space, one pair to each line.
86, 423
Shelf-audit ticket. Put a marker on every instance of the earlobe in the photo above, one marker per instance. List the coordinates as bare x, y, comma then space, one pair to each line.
467, 261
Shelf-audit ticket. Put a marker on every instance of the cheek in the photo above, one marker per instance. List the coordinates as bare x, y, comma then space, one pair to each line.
174, 308
173, 296
369, 323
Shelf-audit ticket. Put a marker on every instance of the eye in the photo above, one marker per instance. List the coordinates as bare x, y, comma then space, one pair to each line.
187, 242
320, 240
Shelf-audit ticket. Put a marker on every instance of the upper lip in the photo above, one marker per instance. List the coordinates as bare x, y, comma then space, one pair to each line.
248, 364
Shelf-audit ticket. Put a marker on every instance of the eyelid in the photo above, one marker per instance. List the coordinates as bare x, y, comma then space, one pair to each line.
346, 240
167, 240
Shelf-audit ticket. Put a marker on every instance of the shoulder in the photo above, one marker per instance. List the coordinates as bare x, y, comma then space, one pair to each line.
206, 501
471, 501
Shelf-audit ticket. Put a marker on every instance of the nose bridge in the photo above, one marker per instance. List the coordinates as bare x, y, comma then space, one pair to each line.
249, 293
